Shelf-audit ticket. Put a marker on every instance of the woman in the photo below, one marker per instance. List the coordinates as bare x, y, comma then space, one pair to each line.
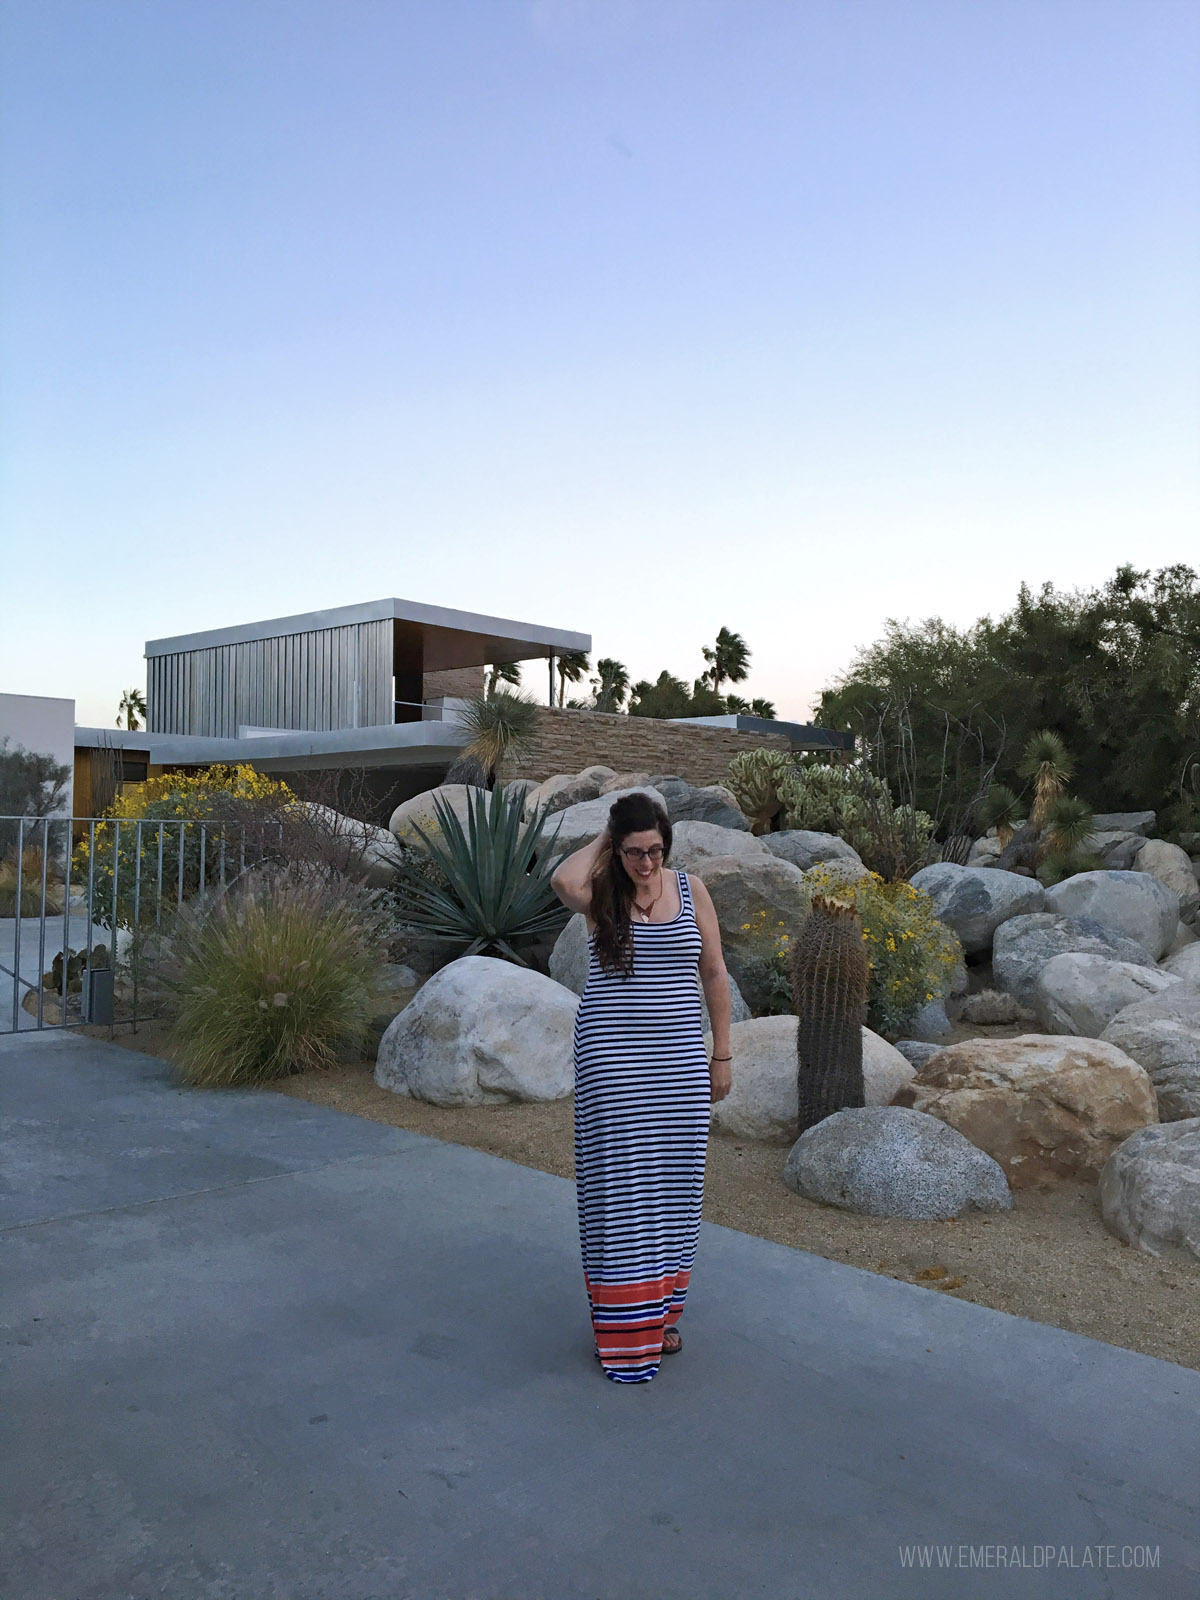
643, 1085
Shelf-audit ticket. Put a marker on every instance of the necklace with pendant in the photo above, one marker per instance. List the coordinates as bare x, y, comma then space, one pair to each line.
644, 911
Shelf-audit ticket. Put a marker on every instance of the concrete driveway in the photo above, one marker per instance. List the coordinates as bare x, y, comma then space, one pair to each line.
259, 1350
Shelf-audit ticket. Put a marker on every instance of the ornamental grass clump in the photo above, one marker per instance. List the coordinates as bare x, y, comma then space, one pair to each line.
275, 978
911, 956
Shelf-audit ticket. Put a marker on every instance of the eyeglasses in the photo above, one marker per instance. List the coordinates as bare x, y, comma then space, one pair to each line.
655, 853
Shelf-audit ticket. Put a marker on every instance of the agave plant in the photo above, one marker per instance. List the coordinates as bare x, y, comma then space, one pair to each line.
497, 878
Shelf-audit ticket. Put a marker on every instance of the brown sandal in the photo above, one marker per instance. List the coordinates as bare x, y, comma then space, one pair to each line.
672, 1349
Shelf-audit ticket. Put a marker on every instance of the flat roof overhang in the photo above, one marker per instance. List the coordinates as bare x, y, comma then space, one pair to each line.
450, 638
804, 735
393, 744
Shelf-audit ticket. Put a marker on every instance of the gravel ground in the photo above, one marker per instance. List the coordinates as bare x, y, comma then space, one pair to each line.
1049, 1259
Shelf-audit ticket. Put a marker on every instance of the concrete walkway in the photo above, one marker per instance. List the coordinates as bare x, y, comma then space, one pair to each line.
263, 1351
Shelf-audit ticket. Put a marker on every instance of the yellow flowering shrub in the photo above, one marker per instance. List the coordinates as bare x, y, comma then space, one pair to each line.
911, 955
241, 807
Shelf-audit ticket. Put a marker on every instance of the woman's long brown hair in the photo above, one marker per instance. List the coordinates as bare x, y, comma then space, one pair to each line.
613, 889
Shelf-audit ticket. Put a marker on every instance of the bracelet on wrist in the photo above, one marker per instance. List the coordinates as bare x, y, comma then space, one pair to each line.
720, 1058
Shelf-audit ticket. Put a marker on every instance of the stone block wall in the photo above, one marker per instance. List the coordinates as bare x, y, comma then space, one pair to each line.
455, 682
568, 741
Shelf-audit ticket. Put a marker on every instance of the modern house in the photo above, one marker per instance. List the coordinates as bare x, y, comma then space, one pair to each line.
375, 688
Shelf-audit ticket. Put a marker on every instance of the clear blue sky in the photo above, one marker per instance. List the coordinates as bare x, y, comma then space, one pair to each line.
638, 317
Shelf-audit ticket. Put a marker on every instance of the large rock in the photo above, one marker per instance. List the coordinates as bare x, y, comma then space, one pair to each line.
567, 789
1172, 867
1124, 822
1184, 936
419, 811
885, 1161
625, 780
359, 849
712, 803
829, 877
930, 1024
974, 901
1023, 947
1080, 994
804, 848
1150, 1190
695, 843
763, 1101
754, 899
1162, 1034
481, 1031
569, 966
1185, 964
1045, 1107
917, 1052
579, 824
1116, 850
1130, 903
984, 851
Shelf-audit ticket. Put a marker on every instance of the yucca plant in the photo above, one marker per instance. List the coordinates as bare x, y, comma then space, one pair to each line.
274, 978
1001, 809
1050, 764
497, 726
497, 889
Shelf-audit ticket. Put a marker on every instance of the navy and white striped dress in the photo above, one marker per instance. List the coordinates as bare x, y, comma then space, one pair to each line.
642, 1108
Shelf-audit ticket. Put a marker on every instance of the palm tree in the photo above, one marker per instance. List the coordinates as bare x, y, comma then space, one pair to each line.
571, 665
498, 726
728, 658
132, 708
611, 686
502, 672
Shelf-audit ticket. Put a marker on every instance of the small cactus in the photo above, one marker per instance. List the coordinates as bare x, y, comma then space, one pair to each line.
761, 782
829, 994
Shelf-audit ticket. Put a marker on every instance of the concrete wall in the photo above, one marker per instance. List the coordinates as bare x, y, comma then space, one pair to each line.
42, 725
568, 741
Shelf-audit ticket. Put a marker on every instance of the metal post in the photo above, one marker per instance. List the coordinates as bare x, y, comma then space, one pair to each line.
112, 954
91, 888
17, 923
551, 699
42, 916
158, 885
66, 913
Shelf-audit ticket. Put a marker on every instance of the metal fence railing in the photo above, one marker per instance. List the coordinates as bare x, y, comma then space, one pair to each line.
78, 893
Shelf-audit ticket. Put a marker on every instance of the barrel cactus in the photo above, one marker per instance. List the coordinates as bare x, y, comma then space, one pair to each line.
762, 783
829, 992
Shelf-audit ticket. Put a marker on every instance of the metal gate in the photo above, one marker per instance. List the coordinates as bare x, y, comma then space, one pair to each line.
78, 895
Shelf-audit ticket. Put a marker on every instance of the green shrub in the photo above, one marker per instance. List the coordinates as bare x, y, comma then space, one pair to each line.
193, 834
276, 977
857, 806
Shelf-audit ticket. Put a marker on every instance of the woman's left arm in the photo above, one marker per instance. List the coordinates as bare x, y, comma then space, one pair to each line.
716, 986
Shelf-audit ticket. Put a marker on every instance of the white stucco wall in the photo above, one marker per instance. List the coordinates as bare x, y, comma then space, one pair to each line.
43, 725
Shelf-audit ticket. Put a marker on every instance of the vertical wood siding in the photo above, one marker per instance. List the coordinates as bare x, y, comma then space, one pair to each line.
334, 678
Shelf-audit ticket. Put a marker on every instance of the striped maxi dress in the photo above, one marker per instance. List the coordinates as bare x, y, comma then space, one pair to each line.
642, 1108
